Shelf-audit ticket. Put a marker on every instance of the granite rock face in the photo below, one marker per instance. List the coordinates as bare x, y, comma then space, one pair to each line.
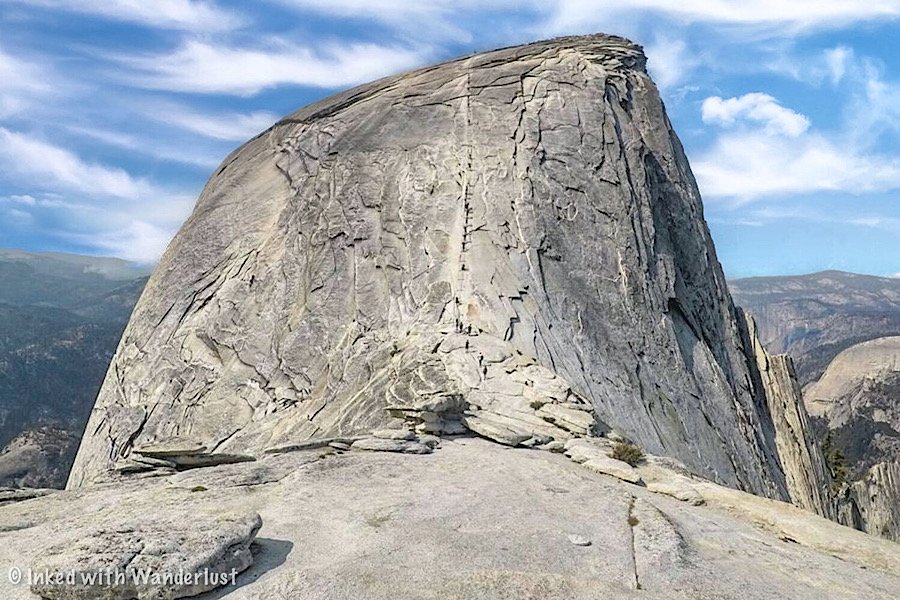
857, 403
801, 457
851, 384
871, 503
493, 244
476, 520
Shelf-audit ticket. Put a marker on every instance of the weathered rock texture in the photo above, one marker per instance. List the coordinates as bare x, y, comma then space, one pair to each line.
805, 469
858, 401
850, 385
496, 243
476, 520
871, 503
171, 555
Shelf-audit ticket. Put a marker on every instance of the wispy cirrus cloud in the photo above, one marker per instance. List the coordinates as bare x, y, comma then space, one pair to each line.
762, 216
135, 228
86, 202
203, 67
188, 15
228, 126
24, 82
131, 239
157, 147
433, 21
60, 169
669, 61
775, 15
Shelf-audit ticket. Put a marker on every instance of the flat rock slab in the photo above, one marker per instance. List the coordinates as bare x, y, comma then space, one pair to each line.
375, 444
19, 494
395, 434
678, 489
584, 449
171, 556
194, 461
312, 444
174, 447
614, 468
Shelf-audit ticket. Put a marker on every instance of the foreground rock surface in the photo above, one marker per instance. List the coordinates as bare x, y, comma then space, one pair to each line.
478, 520
511, 243
147, 558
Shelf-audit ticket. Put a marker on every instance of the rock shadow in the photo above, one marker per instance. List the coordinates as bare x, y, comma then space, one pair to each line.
268, 554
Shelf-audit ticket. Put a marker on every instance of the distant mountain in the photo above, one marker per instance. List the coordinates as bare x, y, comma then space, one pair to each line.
841, 329
815, 317
857, 399
61, 317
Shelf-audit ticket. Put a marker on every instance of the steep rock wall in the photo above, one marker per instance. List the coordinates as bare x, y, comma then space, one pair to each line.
534, 195
806, 473
872, 503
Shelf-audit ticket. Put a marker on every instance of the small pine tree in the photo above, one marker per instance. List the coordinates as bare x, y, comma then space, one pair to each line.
835, 462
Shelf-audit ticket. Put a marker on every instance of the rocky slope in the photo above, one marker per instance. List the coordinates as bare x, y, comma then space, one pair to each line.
858, 400
472, 519
814, 317
409, 331
511, 244
60, 319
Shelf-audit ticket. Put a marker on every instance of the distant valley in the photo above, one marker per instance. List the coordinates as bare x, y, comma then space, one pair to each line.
841, 329
61, 317
815, 317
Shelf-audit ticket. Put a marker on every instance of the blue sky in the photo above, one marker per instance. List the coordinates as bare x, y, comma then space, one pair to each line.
113, 114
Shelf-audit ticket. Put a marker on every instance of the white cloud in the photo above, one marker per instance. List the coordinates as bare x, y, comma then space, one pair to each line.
831, 65
111, 138
385, 10
97, 206
837, 60
226, 126
101, 207
155, 146
26, 199
45, 201
19, 217
23, 83
202, 67
420, 19
875, 108
572, 15
755, 108
190, 15
135, 240
766, 215
669, 61
58, 168
746, 166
